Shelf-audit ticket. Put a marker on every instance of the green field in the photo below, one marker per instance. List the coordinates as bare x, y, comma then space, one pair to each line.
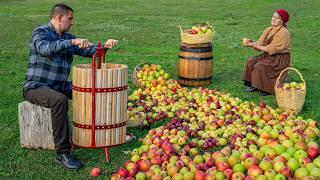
148, 32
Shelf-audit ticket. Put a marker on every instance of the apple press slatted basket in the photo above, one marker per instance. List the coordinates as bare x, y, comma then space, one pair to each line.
99, 103
290, 99
188, 38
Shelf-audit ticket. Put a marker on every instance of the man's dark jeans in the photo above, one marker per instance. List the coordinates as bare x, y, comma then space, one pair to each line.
58, 102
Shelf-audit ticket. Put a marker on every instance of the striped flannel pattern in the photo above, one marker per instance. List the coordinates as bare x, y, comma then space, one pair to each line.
50, 59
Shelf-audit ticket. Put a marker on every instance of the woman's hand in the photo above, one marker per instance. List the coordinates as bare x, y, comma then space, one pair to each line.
251, 44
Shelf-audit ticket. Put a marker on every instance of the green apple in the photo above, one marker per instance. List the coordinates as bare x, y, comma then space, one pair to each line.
267, 128
270, 173
310, 166
261, 177
279, 148
280, 177
236, 153
315, 172
286, 155
274, 133
293, 164
316, 162
188, 175
219, 175
287, 143
291, 151
277, 166
193, 152
301, 172
233, 159
198, 159
299, 154
265, 164
271, 153
141, 176
239, 168
177, 176
264, 148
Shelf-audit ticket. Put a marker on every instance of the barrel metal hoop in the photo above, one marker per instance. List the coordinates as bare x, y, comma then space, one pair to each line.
99, 90
195, 79
196, 50
98, 127
196, 58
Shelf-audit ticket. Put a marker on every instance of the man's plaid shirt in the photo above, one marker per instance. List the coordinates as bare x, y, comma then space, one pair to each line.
50, 58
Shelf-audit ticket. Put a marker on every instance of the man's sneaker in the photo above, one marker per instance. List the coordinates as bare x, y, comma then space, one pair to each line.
68, 161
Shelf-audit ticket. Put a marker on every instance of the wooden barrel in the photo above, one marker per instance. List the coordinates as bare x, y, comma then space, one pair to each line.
110, 105
195, 64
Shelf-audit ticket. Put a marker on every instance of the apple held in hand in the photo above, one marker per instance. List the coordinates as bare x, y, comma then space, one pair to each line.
246, 41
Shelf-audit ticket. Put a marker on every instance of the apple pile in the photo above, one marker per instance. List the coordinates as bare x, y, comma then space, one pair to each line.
200, 29
212, 135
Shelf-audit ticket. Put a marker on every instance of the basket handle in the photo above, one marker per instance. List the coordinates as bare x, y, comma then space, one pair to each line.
289, 68
180, 28
134, 72
137, 66
212, 29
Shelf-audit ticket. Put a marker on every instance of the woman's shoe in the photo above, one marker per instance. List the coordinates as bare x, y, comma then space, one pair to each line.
263, 93
250, 89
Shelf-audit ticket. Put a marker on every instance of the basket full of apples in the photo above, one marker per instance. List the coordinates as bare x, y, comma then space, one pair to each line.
198, 34
290, 96
147, 75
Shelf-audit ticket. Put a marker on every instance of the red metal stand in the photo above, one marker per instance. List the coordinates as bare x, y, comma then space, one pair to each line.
106, 154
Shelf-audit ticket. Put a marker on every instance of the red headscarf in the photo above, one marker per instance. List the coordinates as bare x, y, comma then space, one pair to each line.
284, 15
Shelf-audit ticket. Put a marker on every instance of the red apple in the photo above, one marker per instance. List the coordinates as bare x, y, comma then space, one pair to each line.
199, 175
95, 172
221, 166
262, 104
156, 160
254, 171
313, 152
144, 165
122, 172
286, 172
237, 176
228, 173
250, 162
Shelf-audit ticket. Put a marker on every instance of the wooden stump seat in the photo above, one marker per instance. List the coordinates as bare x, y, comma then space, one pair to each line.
35, 126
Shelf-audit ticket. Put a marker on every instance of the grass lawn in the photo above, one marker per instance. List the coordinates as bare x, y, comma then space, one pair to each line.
148, 32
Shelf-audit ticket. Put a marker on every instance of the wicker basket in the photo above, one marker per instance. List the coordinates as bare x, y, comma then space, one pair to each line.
134, 74
138, 122
290, 100
188, 38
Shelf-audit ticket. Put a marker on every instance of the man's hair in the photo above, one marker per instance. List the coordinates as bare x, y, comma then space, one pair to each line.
60, 9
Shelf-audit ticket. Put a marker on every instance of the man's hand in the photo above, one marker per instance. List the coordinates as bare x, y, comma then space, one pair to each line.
82, 43
110, 43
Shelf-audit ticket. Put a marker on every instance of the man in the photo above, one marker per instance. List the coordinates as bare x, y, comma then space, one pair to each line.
51, 53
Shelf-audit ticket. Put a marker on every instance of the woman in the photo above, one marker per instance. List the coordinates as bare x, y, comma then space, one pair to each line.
261, 72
